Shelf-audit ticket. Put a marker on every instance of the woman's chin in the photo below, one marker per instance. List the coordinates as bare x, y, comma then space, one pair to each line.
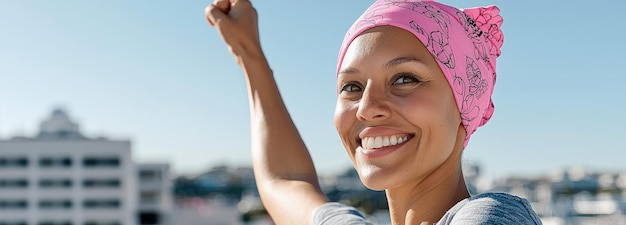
374, 177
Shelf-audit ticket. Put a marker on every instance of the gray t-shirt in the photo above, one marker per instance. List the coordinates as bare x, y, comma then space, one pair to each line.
486, 208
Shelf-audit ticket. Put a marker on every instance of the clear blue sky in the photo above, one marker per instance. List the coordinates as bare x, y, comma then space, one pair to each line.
156, 73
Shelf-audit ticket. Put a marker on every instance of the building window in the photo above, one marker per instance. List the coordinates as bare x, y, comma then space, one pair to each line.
101, 183
149, 175
148, 218
101, 204
13, 223
102, 223
55, 183
97, 162
13, 184
55, 223
55, 162
149, 197
13, 204
55, 204
15, 162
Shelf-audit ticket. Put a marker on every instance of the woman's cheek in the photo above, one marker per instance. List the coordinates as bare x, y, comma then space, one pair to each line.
344, 119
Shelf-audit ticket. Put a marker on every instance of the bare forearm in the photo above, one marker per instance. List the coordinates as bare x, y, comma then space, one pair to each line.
276, 142
283, 167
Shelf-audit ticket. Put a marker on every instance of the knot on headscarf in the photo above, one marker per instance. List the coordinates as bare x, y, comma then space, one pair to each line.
464, 42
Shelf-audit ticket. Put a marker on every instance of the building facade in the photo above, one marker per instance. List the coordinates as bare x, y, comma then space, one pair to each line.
155, 194
60, 177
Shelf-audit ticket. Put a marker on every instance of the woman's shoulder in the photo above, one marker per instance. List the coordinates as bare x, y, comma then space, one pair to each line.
484, 209
491, 208
337, 213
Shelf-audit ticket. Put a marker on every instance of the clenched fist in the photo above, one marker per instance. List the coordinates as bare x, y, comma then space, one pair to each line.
236, 21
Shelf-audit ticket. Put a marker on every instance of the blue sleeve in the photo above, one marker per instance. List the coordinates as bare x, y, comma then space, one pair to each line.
492, 209
334, 213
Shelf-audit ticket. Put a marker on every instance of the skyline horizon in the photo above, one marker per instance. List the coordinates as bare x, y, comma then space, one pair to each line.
248, 164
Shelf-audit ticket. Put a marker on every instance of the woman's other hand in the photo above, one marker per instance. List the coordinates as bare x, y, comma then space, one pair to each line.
236, 21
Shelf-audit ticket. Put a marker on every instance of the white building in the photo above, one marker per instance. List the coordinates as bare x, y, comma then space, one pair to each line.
61, 177
155, 194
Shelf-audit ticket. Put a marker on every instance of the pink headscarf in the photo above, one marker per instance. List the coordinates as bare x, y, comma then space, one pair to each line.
464, 42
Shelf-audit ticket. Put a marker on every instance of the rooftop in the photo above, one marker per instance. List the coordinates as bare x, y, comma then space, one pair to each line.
58, 126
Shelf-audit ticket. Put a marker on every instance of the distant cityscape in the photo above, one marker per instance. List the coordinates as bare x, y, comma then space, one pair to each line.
61, 177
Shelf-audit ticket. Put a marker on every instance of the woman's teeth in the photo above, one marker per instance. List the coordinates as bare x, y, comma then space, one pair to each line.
382, 141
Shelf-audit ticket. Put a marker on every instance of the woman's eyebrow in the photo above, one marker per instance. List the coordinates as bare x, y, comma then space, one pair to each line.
400, 60
349, 70
391, 63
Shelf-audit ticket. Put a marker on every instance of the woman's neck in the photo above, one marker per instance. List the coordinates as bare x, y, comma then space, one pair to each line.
428, 199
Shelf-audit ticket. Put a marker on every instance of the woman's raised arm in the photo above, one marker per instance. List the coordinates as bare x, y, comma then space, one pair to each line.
283, 168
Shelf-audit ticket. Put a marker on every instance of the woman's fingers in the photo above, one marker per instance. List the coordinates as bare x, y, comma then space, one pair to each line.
217, 11
223, 5
236, 22
241, 3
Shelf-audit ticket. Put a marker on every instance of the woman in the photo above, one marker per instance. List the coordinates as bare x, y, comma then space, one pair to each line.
414, 81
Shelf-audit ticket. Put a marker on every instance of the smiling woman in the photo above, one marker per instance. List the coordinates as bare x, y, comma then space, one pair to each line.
404, 97
414, 81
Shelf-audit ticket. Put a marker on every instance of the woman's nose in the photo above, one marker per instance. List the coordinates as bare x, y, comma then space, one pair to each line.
373, 105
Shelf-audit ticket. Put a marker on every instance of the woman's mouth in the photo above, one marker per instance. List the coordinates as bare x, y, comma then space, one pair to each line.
383, 141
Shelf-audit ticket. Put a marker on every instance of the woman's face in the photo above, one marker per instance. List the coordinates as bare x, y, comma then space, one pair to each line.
395, 113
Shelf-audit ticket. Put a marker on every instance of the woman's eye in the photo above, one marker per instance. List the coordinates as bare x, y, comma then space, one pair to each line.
406, 79
350, 88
